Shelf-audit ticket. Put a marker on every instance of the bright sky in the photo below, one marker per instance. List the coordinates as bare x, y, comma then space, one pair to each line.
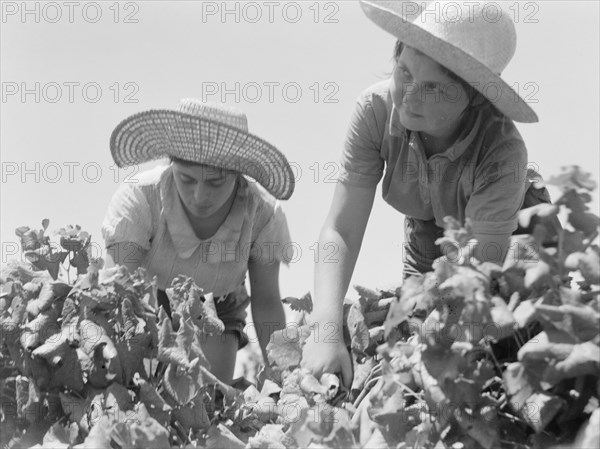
69, 74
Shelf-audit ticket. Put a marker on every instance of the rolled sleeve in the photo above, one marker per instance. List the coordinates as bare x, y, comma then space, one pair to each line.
273, 242
361, 163
499, 190
128, 219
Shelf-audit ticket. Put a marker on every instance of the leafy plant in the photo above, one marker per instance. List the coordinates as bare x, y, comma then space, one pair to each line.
471, 355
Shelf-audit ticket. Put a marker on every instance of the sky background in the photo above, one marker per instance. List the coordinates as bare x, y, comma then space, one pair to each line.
323, 53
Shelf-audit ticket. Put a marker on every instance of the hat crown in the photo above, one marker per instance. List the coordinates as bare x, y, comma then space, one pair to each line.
216, 112
481, 29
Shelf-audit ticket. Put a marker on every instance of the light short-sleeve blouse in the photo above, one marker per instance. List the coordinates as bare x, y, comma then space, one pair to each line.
482, 176
150, 214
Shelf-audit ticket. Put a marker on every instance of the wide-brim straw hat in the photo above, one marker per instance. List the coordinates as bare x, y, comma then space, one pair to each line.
206, 133
475, 40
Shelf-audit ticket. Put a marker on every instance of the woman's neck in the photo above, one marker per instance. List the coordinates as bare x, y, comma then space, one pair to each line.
439, 142
442, 139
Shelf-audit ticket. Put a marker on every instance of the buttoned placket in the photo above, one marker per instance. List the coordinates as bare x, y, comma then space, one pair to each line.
423, 169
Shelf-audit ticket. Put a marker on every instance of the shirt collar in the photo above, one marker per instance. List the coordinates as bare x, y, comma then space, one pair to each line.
182, 234
455, 151
396, 128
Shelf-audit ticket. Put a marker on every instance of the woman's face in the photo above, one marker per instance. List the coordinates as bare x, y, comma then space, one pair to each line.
203, 189
426, 98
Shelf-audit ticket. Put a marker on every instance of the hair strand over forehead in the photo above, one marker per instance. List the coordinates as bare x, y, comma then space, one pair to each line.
212, 168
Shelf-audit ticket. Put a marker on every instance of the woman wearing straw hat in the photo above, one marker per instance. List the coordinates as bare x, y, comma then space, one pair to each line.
440, 134
212, 214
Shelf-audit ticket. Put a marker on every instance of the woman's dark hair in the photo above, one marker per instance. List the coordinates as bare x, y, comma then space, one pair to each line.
476, 99
182, 161
191, 163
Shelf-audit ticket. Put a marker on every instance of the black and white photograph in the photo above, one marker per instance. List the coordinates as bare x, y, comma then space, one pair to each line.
300, 224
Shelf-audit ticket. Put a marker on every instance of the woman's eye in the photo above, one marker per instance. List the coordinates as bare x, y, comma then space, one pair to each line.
216, 182
405, 74
431, 87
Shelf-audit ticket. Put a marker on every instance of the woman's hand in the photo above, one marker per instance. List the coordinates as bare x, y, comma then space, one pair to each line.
322, 354
344, 229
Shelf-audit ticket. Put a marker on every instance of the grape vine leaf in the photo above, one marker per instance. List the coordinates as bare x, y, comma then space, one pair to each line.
303, 304
285, 346
588, 263
144, 432
171, 345
183, 384
572, 177
99, 436
359, 332
62, 357
220, 436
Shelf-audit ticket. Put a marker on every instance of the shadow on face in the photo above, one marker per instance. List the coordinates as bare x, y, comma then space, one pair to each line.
203, 189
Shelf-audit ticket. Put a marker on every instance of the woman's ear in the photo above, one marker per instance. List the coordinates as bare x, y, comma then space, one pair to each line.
398, 50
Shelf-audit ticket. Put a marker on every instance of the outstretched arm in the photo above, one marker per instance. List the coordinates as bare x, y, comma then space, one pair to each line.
344, 228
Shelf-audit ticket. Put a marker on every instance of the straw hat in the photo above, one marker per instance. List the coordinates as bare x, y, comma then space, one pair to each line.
475, 40
206, 133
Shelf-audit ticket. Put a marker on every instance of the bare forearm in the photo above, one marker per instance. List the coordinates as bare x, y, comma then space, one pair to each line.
332, 277
268, 317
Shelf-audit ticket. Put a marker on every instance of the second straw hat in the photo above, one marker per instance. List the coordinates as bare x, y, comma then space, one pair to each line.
205, 133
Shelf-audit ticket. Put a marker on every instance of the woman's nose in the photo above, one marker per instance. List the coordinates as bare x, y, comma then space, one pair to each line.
199, 192
410, 93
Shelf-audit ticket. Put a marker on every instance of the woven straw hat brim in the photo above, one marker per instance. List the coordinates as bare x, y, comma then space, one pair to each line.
484, 80
159, 133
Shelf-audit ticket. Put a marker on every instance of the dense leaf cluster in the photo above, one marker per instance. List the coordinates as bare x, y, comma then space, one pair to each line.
471, 355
